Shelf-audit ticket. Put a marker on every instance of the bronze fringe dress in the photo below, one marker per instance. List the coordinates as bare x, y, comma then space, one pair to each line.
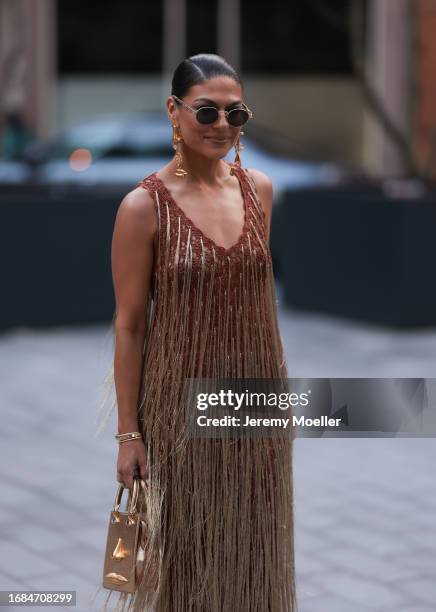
220, 513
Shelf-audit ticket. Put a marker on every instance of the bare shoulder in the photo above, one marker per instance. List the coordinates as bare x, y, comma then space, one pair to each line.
137, 204
136, 217
262, 181
264, 189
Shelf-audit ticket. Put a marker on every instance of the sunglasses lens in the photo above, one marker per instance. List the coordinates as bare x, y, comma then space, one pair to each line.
238, 117
207, 114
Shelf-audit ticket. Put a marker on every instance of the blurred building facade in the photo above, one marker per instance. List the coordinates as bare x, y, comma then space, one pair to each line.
63, 62
387, 83
425, 124
28, 63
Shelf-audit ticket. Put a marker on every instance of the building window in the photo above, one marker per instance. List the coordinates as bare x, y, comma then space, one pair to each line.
201, 26
302, 37
109, 37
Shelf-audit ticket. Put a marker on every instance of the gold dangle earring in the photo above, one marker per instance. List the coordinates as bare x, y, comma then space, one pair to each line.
237, 161
177, 140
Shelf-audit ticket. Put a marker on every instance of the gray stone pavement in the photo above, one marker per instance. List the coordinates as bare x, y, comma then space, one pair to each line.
365, 509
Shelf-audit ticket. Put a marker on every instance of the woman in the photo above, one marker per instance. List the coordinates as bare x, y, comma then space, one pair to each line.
195, 299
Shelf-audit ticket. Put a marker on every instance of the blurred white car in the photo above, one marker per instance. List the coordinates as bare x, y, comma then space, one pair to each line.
119, 150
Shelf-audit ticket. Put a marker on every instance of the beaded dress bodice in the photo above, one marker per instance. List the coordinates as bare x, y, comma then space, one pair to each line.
220, 297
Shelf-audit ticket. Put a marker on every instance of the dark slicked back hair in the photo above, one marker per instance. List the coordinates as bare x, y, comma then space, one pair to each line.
199, 68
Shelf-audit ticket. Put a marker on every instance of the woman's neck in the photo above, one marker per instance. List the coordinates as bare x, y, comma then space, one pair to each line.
200, 169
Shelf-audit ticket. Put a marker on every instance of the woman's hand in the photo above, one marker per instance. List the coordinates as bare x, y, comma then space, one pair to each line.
131, 462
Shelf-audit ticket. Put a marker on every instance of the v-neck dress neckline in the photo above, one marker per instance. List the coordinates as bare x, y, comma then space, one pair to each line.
194, 227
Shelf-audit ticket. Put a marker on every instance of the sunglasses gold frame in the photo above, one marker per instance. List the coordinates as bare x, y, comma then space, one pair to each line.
226, 113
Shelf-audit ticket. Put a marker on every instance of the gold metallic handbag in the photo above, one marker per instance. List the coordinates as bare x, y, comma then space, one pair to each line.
127, 546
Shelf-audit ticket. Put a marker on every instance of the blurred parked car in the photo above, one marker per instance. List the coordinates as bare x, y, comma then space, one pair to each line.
119, 150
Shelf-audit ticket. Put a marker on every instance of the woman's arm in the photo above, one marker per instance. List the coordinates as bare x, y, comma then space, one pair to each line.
132, 264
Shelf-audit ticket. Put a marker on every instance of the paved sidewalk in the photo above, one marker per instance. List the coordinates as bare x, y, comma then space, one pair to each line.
365, 509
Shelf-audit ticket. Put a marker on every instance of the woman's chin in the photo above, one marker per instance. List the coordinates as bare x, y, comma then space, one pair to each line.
219, 153
213, 152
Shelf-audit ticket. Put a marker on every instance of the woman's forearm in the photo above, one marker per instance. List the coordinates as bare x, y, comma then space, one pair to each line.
127, 375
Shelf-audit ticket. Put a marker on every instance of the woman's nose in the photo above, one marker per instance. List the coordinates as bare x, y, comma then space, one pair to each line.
221, 120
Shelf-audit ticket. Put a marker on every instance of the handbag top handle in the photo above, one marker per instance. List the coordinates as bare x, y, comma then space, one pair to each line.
133, 499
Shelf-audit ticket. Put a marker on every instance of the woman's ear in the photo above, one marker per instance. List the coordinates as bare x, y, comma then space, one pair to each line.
171, 108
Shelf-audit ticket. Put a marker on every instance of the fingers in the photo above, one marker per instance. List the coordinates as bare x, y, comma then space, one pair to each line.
143, 471
126, 476
126, 481
131, 463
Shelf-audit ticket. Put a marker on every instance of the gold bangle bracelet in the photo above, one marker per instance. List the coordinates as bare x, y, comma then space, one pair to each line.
130, 436
130, 439
121, 436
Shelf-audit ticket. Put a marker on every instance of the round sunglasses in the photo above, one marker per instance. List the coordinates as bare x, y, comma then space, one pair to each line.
209, 114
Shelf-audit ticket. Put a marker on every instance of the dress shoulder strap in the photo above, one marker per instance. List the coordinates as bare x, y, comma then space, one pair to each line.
250, 181
150, 185
254, 197
154, 187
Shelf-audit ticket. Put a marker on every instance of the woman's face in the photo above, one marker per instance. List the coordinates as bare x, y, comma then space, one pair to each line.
215, 139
